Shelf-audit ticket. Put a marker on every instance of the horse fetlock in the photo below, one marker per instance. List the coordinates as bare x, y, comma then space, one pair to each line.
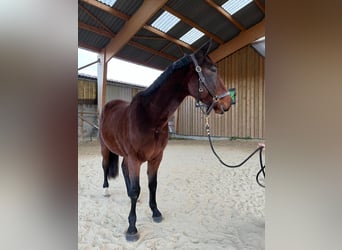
105, 184
132, 229
156, 213
157, 216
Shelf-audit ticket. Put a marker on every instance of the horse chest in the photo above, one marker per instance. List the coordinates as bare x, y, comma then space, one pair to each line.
150, 145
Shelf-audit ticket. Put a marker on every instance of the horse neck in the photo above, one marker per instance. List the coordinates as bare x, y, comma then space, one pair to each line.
164, 102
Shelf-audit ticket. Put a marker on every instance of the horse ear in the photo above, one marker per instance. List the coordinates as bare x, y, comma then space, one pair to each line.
203, 50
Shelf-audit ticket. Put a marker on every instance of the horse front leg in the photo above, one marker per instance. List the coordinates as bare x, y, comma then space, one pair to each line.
131, 171
152, 171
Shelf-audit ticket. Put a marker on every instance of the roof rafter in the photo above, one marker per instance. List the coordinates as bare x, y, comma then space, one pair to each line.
132, 26
107, 8
95, 30
148, 27
149, 37
126, 18
95, 18
193, 24
244, 38
153, 51
225, 14
168, 37
89, 47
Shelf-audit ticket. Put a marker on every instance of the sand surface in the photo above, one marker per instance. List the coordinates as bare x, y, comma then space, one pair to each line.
204, 204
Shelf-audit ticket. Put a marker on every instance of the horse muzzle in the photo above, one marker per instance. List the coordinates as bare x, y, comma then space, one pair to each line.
224, 101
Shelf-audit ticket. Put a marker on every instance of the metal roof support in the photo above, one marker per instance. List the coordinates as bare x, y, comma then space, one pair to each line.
101, 80
89, 64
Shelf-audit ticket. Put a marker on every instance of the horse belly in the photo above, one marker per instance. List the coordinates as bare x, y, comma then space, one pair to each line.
113, 126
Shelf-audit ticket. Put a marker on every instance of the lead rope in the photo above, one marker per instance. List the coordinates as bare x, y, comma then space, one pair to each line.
260, 148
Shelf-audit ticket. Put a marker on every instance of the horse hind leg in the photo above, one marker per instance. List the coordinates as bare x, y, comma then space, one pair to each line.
110, 162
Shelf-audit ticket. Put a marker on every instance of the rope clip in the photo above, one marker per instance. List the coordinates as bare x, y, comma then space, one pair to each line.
207, 124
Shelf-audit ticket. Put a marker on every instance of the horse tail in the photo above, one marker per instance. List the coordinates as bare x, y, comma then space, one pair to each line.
113, 165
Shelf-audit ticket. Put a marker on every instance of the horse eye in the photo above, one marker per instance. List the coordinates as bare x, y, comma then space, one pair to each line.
213, 69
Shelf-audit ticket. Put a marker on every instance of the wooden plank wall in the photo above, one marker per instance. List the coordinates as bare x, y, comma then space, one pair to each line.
245, 71
87, 91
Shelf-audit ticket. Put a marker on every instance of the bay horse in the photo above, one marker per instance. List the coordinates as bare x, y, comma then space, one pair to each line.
138, 131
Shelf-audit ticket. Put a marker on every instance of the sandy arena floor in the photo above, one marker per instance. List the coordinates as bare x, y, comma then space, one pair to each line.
204, 204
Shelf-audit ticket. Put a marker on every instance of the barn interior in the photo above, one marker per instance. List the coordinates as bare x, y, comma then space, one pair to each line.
155, 33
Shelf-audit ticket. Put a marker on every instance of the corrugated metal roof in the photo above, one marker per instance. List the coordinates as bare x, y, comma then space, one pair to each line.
85, 18
91, 39
173, 49
206, 17
249, 15
149, 48
129, 7
114, 23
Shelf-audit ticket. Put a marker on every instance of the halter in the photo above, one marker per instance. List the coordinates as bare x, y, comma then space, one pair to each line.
202, 82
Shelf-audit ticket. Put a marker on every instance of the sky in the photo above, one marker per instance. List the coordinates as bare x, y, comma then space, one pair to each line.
118, 70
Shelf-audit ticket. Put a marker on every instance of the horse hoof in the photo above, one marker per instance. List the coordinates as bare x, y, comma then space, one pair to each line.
132, 236
157, 219
106, 192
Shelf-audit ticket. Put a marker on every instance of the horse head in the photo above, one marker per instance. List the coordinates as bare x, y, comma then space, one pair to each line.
206, 86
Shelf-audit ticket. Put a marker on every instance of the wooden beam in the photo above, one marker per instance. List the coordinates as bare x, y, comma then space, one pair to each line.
244, 38
193, 24
147, 27
225, 14
135, 44
94, 18
95, 30
132, 26
142, 63
152, 51
166, 46
107, 9
168, 37
88, 47
149, 37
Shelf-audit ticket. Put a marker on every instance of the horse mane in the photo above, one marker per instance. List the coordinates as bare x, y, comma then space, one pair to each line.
180, 63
